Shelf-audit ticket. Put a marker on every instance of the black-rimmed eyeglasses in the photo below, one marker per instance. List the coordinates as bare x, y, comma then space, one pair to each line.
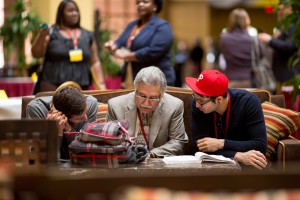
144, 98
201, 103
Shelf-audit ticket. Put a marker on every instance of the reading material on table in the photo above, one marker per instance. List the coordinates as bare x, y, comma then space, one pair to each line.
198, 158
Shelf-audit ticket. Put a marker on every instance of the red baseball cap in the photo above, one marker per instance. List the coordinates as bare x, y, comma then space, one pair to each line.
211, 83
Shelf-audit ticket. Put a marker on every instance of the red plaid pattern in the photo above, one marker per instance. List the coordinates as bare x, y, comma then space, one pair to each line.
97, 160
105, 144
113, 132
82, 147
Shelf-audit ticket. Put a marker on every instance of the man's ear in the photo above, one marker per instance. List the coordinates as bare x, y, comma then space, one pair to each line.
219, 99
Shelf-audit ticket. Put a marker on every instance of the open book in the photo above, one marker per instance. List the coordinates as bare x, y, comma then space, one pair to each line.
198, 158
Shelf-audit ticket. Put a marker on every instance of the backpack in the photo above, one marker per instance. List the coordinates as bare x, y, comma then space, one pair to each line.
105, 144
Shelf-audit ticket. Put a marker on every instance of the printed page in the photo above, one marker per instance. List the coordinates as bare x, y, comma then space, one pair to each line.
204, 157
181, 159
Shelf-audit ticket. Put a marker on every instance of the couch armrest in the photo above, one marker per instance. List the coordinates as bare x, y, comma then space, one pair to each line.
278, 100
25, 101
288, 152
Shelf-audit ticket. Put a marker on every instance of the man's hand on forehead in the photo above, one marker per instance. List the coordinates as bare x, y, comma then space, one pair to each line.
61, 119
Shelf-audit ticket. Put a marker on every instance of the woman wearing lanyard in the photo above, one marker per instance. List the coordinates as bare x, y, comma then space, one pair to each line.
69, 51
146, 41
227, 122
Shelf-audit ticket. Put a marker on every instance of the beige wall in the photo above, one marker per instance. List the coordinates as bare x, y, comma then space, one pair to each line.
189, 19
46, 9
86, 8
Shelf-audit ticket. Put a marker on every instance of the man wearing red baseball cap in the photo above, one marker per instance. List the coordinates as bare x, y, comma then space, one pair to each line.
225, 121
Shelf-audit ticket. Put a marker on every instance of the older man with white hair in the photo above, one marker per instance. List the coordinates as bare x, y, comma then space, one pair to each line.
155, 118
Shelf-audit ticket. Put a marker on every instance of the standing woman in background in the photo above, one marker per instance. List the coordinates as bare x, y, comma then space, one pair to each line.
236, 44
69, 52
146, 41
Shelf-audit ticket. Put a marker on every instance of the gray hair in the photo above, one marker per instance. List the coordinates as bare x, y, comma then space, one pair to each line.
151, 76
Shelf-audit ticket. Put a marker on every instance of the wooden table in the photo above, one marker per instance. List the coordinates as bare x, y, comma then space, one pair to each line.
81, 183
75, 183
148, 168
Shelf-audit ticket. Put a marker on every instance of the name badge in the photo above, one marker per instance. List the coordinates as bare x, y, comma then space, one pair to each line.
76, 55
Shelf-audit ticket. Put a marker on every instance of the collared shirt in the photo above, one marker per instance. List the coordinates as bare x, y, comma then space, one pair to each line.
139, 137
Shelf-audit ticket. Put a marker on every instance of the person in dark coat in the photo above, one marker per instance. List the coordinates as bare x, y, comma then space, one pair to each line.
146, 41
283, 48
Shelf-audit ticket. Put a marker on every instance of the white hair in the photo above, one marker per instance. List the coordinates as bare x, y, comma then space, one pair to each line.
151, 76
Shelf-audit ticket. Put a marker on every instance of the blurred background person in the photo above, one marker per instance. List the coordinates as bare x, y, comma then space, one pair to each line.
181, 56
69, 52
196, 56
146, 41
283, 47
236, 44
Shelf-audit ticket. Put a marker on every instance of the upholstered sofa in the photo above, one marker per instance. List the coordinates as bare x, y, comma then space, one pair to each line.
287, 150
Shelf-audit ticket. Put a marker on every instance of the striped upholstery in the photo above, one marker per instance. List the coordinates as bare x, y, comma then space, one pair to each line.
280, 123
102, 110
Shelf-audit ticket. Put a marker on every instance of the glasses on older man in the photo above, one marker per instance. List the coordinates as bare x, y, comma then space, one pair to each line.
144, 98
201, 103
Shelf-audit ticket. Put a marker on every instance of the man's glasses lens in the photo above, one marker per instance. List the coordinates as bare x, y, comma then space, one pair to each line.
151, 99
199, 102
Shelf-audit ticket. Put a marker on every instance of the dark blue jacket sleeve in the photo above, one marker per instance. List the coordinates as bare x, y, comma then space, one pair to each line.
122, 40
285, 45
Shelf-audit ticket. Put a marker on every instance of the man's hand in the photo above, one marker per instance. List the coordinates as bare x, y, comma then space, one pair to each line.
276, 34
210, 144
62, 120
264, 37
122, 53
110, 46
253, 158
